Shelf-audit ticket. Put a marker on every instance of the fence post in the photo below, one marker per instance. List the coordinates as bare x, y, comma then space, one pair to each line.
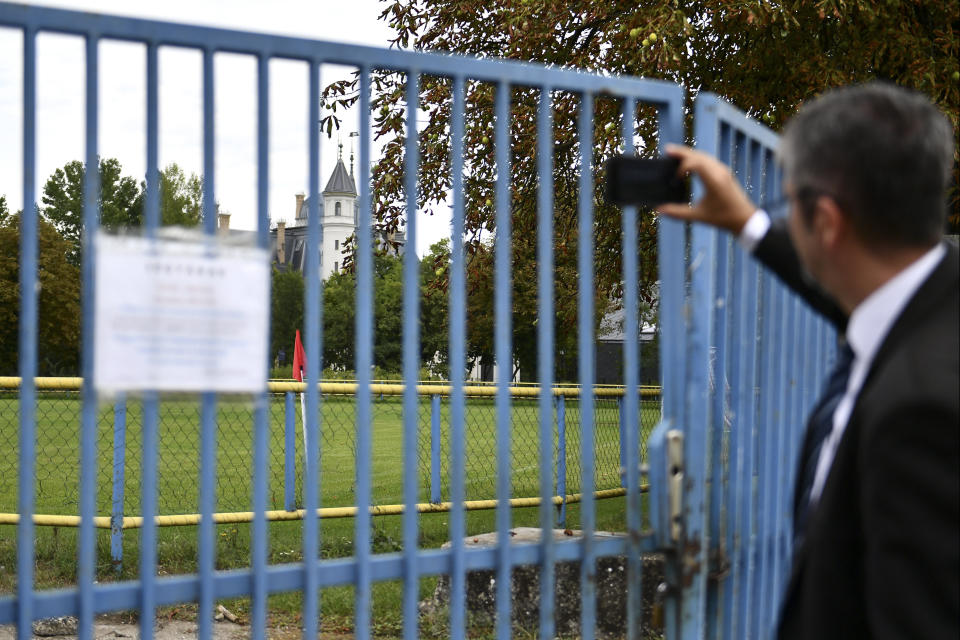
289, 453
119, 459
623, 442
562, 458
435, 492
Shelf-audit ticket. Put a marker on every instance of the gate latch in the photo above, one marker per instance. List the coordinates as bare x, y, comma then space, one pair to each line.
675, 481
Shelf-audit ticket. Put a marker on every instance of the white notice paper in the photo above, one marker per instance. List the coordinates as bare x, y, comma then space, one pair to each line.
173, 315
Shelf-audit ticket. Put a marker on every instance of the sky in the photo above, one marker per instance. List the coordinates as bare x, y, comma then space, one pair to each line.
122, 122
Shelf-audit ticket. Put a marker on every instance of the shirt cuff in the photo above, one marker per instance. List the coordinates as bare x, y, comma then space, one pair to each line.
754, 230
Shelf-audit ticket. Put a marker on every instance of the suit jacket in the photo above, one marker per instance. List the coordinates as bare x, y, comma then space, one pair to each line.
881, 553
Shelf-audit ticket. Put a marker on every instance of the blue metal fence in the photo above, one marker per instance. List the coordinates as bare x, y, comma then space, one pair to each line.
739, 358
89, 598
739, 367
119, 447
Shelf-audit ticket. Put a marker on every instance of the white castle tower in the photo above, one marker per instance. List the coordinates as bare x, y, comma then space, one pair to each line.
339, 222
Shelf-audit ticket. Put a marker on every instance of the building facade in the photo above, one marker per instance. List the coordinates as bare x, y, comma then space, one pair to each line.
339, 210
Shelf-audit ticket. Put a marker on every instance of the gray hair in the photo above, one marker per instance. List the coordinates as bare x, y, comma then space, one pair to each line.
882, 152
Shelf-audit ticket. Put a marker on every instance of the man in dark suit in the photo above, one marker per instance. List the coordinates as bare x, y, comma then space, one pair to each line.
877, 502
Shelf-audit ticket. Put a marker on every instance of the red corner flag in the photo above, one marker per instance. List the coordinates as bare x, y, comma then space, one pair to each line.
299, 359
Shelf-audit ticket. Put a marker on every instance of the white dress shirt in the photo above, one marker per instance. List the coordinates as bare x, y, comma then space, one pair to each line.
867, 328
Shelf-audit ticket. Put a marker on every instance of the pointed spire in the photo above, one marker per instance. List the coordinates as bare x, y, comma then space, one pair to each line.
353, 134
340, 181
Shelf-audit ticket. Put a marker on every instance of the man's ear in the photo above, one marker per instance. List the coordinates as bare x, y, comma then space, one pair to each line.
829, 222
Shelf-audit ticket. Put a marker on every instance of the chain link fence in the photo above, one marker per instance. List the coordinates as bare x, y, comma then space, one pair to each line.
120, 454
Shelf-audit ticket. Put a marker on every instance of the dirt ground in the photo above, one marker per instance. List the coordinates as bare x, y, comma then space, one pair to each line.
108, 629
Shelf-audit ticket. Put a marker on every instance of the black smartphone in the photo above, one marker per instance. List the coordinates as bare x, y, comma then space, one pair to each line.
645, 182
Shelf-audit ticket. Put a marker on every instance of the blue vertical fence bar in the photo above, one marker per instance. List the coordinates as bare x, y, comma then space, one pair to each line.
740, 541
782, 495
150, 408
740, 430
86, 558
772, 462
779, 475
289, 452
752, 582
726, 416
411, 364
630, 408
27, 353
808, 351
755, 550
311, 485
671, 266
545, 352
793, 426
764, 427
261, 427
772, 340
782, 511
785, 451
585, 343
719, 373
700, 337
364, 356
622, 440
458, 340
562, 460
118, 481
436, 494
775, 373
206, 545
503, 353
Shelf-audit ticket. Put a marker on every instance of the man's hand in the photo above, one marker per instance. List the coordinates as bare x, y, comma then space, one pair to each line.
725, 205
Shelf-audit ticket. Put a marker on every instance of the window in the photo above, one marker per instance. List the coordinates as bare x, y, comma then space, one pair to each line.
336, 208
336, 245
335, 268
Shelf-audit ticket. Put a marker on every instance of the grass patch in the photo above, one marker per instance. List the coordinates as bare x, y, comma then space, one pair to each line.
178, 463
177, 547
57, 471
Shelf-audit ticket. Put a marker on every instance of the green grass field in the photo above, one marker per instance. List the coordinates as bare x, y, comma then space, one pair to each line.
58, 470
178, 458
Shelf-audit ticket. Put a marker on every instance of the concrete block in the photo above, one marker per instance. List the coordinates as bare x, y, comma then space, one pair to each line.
525, 589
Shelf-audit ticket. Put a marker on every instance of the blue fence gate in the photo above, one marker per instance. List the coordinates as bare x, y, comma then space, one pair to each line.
737, 368
741, 357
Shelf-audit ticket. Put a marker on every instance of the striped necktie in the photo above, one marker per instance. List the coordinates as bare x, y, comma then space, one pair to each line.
819, 427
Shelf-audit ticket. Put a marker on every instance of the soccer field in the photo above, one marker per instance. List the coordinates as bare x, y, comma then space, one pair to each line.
57, 460
57, 474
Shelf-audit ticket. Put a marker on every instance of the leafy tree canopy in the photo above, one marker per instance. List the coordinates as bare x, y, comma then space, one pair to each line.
181, 198
286, 313
767, 58
58, 326
63, 200
435, 309
339, 317
121, 199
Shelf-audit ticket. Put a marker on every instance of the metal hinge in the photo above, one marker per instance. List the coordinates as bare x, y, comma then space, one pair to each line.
675, 481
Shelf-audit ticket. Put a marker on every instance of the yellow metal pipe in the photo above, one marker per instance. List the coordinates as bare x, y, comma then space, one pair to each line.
387, 389
135, 522
63, 384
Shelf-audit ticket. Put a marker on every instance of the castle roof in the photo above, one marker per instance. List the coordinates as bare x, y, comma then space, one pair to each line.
340, 181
